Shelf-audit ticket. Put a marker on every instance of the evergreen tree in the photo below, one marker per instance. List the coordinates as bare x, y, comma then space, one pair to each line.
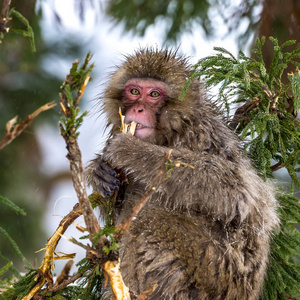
267, 121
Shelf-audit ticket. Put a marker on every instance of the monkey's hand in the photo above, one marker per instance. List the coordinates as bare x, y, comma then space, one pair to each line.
102, 177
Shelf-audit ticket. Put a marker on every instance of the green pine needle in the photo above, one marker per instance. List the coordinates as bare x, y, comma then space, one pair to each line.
12, 206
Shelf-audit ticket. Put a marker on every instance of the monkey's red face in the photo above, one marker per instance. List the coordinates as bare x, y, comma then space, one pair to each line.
143, 98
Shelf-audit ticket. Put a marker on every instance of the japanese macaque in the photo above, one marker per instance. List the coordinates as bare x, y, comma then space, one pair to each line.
205, 231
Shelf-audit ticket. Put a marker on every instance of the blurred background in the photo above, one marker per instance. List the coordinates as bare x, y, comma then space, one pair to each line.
34, 172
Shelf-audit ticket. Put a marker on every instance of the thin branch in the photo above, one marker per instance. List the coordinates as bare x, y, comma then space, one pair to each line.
13, 130
4, 16
55, 238
44, 273
61, 286
74, 241
242, 112
276, 167
66, 282
80, 93
119, 289
64, 273
74, 156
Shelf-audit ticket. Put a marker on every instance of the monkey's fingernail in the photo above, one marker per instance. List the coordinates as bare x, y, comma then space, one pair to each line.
117, 181
116, 188
113, 173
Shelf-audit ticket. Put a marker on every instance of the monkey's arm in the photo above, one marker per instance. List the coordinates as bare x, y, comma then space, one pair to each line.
216, 186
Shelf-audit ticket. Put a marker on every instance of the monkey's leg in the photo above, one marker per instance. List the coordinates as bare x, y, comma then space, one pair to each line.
150, 256
189, 260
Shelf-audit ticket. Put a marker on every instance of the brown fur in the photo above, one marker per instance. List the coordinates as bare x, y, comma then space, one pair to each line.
205, 233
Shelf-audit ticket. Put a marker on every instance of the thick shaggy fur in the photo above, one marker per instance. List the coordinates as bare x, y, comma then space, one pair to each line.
205, 232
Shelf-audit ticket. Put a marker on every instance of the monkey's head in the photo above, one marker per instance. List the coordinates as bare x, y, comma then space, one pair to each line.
147, 87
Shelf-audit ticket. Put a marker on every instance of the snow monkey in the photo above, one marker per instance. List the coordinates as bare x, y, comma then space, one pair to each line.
205, 231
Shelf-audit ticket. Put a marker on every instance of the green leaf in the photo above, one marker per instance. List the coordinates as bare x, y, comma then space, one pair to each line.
112, 247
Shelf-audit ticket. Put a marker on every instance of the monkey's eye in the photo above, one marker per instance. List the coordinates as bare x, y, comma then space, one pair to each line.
134, 92
155, 94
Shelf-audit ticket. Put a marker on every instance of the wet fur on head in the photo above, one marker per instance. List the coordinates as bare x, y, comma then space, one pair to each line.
164, 65
177, 117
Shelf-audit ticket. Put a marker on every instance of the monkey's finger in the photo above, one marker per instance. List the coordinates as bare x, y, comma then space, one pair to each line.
106, 172
106, 189
106, 167
103, 192
109, 188
106, 177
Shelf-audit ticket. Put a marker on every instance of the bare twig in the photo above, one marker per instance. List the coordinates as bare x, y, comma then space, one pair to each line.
12, 130
119, 289
64, 275
44, 273
127, 128
242, 112
35, 290
74, 241
276, 167
61, 285
66, 282
80, 93
4, 16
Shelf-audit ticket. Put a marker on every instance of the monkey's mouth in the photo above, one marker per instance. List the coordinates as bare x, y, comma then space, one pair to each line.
143, 131
141, 126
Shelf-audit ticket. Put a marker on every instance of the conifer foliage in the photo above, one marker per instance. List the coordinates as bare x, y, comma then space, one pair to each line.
267, 121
